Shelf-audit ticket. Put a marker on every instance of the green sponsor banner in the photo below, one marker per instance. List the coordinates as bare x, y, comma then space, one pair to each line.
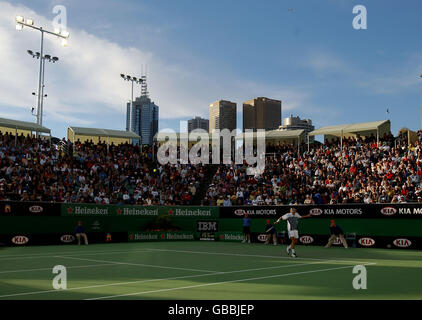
136, 211
229, 236
76, 209
160, 236
190, 211
79, 209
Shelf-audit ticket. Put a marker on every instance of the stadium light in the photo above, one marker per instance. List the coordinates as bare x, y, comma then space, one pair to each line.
49, 58
133, 80
63, 35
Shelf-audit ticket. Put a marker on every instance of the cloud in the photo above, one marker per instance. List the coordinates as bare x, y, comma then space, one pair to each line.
85, 87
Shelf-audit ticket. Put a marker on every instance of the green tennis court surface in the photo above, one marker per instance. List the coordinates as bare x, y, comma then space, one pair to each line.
207, 270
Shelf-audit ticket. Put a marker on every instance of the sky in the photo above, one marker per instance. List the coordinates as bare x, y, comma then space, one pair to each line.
305, 53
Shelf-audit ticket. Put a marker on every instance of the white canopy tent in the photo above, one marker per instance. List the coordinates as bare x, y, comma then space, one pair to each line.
366, 129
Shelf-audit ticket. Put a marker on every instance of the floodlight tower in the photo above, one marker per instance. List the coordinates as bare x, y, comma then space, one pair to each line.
48, 58
63, 34
132, 80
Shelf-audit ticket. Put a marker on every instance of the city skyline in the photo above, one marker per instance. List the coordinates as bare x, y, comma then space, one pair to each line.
343, 76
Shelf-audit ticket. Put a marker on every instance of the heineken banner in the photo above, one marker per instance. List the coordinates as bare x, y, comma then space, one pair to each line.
34, 209
229, 236
361, 211
190, 211
160, 236
81, 209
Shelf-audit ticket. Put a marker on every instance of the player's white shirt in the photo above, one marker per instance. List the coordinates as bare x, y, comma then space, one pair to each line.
292, 227
291, 215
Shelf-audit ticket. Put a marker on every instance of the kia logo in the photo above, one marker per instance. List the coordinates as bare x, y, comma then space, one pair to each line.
67, 238
262, 237
35, 209
337, 241
366, 242
306, 239
402, 243
388, 211
239, 212
20, 240
316, 212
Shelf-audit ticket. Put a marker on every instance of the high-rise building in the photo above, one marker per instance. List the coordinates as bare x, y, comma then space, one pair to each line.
198, 123
261, 113
296, 123
145, 118
222, 115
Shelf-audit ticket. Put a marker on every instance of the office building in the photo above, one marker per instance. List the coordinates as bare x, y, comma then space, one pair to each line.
198, 123
262, 113
145, 118
222, 115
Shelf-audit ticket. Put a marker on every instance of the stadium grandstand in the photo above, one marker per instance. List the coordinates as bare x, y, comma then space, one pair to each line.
96, 135
350, 168
17, 127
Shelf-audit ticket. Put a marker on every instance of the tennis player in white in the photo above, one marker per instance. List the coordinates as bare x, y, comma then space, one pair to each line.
292, 227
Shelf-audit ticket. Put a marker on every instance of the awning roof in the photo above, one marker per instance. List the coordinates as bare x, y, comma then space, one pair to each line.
104, 133
275, 134
23, 125
350, 128
269, 135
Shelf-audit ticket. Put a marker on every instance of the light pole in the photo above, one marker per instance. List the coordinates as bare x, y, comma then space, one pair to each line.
48, 58
133, 80
421, 107
64, 35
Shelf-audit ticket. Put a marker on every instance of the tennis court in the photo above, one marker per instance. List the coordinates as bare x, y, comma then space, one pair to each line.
207, 270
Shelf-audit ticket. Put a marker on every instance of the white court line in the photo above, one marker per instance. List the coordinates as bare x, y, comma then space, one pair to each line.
52, 254
253, 255
154, 280
135, 264
71, 267
222, 282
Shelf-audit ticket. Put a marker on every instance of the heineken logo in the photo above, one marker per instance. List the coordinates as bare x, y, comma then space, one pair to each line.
145, 236
188, 212
88, 210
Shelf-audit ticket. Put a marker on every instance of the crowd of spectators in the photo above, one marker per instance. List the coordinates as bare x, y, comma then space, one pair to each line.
33, 170
355, 171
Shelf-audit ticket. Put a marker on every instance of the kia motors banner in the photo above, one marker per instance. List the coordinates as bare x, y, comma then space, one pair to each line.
29, 239
36, 209
371, 211
386, 242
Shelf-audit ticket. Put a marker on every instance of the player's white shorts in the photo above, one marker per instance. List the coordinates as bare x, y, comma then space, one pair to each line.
294, 234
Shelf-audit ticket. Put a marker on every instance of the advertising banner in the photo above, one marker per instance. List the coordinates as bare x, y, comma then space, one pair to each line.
80, 209
34, 209
361, 211
160, 236
190, 211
